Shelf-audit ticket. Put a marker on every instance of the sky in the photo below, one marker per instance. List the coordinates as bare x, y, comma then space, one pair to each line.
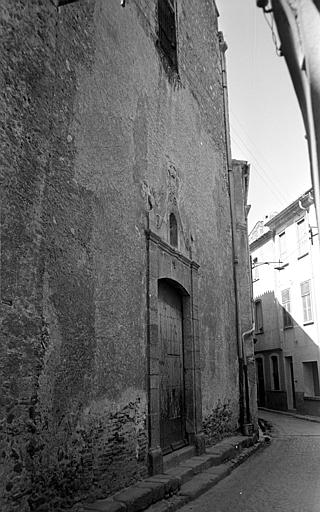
266, 124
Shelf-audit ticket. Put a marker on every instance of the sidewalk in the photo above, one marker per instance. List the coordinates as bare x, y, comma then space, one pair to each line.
182, 483
316, 419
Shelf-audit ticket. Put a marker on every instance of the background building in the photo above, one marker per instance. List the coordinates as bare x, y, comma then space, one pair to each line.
286, 295
119, 313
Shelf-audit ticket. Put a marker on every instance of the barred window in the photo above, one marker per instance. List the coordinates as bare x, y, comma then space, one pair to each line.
167, 31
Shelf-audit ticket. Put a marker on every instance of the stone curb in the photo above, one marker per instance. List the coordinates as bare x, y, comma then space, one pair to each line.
203, 482
315, 419
171, 490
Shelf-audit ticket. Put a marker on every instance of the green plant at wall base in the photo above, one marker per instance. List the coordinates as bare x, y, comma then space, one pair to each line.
219, 423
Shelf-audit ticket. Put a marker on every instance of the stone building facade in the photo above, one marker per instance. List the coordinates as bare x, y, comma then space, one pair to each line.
119, 324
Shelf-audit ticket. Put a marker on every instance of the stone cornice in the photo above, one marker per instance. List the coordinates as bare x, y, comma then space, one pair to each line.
260, 241
170, 250
306, 200
267, 350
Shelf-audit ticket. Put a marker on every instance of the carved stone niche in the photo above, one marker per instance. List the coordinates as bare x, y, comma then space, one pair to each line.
164, 215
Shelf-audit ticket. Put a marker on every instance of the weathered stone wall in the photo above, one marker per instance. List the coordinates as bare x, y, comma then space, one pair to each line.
92, 121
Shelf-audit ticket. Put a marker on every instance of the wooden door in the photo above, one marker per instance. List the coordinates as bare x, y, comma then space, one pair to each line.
291, 395
172, 394
260, 382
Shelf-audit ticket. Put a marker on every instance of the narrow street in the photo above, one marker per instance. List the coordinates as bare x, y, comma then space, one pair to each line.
284, 476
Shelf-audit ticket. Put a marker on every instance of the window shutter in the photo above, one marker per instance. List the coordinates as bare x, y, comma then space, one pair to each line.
306, 301
302, 237
305, 288
285, 296
285, 300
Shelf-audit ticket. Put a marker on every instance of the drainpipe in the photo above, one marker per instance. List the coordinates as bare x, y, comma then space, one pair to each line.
223, 48
245, 369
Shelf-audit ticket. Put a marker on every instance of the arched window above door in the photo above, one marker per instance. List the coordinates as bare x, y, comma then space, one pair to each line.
173, 230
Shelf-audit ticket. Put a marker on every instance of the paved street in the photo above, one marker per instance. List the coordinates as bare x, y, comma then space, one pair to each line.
284, 476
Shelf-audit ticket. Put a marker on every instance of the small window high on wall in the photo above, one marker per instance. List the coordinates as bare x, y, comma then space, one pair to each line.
167, 31
173, 230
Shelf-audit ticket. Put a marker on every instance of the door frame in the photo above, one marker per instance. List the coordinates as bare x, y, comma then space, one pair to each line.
165, 262
261, 393
173, 289
291, 392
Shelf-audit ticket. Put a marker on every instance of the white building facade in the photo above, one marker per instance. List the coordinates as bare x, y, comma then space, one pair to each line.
286, 290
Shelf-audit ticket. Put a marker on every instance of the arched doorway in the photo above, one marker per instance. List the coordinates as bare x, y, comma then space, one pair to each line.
171, 368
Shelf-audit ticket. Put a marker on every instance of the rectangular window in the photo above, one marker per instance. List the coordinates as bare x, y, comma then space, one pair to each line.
255, 270
285, 300
258, 316
302, 235
167, 31
275, 373
283, 247
306, 301
311, 378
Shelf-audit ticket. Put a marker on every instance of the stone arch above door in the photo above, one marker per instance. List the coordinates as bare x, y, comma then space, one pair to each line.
167, 265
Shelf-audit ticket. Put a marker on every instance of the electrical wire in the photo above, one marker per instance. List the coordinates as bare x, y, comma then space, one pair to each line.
274, 37
259, 169
272, 182
296, 250
257, 151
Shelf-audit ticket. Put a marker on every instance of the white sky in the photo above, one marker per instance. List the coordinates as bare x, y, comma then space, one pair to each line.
266, 123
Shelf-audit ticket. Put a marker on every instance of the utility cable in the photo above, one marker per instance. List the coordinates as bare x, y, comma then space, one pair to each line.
260, 171
274, 37
283, 196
